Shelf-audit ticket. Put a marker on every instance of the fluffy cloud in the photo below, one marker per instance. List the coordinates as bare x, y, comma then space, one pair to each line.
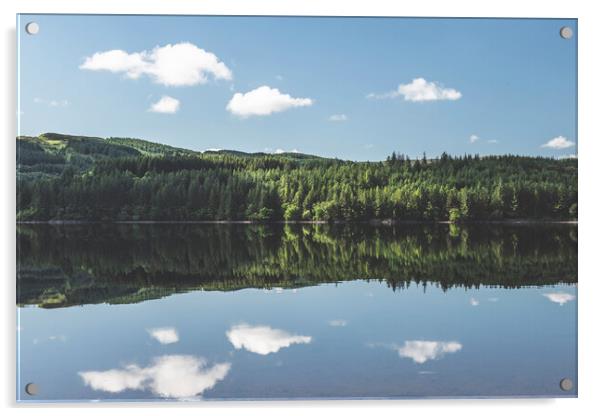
182, 64
164, 335
422, 351
264, 101
559, 297
559, 142
338, 117
337, 322
474, 302
263, 340
420, 90
170, 376
166, 105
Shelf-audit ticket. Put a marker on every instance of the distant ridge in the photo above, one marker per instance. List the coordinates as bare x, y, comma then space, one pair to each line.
84, 150
291, 155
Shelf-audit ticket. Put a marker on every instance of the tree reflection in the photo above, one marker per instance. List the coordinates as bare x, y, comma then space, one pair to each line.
80, 264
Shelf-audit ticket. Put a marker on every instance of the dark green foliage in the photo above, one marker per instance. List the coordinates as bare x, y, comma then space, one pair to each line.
75, 178
150, 148
79, 264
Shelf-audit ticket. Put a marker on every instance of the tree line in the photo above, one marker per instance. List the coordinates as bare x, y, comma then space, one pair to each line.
77, 264
181, 187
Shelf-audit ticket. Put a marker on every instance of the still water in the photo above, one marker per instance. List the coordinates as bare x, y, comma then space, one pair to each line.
216, 311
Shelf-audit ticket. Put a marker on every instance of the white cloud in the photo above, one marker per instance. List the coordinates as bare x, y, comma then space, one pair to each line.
422, 351
166, 105
420, 90
181, 64
115, 381
474, 138
337, 322
166, 335
173, 376
338, 117
263, 340
264, 101
559, 297
570, 156
474, 302
51, 103
559, 142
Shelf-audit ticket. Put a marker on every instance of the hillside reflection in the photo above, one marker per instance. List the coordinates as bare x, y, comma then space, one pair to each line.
81, 264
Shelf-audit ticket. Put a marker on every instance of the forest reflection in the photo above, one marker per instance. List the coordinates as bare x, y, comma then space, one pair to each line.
64, 265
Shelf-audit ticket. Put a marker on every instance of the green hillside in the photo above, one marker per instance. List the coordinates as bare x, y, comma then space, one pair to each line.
52, 153
63, 177
149, 148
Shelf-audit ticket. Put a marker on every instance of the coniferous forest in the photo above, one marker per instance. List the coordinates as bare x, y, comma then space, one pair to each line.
73, 178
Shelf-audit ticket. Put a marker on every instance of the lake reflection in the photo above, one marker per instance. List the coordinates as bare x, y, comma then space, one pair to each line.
305, 311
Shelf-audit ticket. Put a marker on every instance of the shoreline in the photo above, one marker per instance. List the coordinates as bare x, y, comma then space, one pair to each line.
388, 222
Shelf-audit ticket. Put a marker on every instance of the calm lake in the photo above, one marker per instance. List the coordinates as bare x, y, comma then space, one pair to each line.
235, 311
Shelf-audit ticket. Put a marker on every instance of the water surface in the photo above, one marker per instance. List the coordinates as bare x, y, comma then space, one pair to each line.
201, 312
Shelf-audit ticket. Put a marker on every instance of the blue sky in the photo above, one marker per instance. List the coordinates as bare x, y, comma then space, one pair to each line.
349, 88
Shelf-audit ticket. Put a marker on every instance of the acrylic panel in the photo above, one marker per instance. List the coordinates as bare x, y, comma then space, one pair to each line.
275, 208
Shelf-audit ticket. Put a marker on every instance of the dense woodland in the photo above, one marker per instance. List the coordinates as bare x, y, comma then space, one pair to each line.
91, 179
62, 265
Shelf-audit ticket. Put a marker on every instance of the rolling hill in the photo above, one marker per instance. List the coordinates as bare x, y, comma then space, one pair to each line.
77, 178
50, 153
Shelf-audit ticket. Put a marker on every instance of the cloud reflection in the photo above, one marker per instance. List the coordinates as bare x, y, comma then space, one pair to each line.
263, 340
559, 297
422, 351
164, 335
169, 376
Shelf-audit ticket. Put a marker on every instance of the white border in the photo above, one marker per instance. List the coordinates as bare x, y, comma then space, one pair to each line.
590, 137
